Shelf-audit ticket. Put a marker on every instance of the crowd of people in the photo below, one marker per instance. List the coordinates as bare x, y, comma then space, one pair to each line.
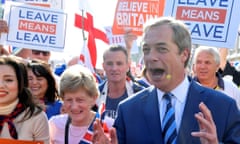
166, 105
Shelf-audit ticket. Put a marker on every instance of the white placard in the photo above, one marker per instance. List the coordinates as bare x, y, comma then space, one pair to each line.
211, 22
35, 27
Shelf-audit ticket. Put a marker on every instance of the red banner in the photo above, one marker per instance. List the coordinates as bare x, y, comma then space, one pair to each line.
12, 141
132, 14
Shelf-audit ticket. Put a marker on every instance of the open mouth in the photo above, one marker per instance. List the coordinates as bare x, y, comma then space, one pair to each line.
157, 71
157, 74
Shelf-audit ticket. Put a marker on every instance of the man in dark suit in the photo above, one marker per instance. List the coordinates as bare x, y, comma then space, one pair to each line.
199, 114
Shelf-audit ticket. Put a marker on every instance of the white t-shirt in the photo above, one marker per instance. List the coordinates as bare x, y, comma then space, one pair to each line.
231, 89
57, 130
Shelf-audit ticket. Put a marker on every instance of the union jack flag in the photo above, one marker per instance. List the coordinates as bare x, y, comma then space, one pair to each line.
87, 138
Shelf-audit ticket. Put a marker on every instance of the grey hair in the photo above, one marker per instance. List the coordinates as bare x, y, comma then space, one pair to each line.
211, 50
181, 36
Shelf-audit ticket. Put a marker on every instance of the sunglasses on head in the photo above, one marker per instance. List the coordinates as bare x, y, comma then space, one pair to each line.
37, 52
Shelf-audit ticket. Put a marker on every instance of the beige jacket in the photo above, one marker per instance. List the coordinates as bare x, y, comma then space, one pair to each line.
35, 128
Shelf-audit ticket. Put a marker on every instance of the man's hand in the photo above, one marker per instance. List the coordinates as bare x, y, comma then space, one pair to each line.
99, 137
207, 133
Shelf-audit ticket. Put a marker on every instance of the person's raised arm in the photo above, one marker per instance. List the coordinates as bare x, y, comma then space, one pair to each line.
3, 29
129, 38
223, 57
3, 26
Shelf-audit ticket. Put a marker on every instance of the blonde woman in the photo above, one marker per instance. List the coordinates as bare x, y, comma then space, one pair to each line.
79, 91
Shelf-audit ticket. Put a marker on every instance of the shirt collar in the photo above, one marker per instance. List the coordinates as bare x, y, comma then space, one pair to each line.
180, 92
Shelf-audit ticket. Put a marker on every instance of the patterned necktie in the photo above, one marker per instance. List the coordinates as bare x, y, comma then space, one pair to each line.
169, 123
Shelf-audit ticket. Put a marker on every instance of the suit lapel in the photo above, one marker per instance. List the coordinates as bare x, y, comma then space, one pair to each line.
150, 108
188, 122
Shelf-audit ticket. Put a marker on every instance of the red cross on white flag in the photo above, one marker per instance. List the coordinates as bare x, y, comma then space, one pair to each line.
85, 36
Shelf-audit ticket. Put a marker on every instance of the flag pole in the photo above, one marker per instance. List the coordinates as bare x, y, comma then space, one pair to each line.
83, 33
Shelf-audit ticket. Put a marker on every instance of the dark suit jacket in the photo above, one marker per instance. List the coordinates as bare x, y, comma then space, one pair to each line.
138, 120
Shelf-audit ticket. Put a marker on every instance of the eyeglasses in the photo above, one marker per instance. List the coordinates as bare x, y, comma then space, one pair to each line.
37, 52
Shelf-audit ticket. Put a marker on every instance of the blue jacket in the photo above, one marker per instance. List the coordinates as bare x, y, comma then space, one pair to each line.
53, 108
138, 120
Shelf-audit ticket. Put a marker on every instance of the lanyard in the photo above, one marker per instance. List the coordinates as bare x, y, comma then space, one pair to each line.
66, 130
